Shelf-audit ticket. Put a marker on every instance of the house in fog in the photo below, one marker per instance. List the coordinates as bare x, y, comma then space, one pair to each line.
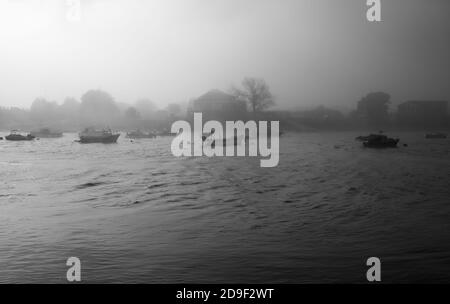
423, 113
217, 105
320, 117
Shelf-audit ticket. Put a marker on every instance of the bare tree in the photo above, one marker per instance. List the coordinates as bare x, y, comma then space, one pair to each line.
256, 93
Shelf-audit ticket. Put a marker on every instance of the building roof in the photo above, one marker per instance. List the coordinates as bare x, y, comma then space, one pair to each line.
215, 95
216, 104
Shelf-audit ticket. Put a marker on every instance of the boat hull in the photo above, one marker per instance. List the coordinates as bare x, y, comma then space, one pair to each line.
109, 139
19, 137
381, 145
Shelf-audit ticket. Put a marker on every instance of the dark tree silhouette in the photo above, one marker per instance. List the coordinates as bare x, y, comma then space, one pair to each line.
98, 107
256, 93
374, 108
70, 108
43, 110
132, 114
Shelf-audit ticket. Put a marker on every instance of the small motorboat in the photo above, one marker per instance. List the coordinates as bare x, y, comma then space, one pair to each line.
139, 134
435, 135
378, 141
90, 135
46, 133
369, 137
16, 136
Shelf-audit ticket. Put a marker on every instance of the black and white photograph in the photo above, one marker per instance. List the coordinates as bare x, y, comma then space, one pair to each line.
217, 142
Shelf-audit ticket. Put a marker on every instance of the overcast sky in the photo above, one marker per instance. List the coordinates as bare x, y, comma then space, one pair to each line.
309, 51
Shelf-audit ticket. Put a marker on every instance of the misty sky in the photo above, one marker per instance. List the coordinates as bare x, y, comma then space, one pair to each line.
309, 51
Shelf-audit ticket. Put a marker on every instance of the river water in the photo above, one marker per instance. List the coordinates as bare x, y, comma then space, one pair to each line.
133, 213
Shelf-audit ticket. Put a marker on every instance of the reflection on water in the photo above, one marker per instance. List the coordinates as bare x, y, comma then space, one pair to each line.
134, 213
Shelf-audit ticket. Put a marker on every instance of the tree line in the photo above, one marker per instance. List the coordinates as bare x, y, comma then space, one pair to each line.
98, 108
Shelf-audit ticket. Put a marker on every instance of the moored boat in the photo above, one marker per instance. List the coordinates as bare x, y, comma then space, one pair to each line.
16, 136
90, 135
378, 141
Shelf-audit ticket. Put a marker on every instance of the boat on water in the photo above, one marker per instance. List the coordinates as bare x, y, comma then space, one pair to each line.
17, 136
368, 137
435, 135
91, 135
139, 134
378, 141
46, 133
